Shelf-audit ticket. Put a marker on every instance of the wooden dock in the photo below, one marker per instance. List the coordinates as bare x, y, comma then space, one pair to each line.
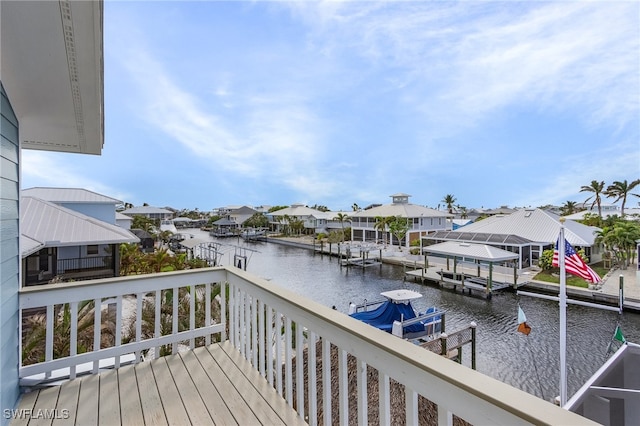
205, 386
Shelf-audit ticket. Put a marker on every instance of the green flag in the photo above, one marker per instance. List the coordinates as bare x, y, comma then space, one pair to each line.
618, 335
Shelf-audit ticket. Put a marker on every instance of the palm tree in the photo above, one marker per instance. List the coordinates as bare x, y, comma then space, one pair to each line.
597, 188
568, 208
381, 225
342, 218
449, 200
355, 207
620, 190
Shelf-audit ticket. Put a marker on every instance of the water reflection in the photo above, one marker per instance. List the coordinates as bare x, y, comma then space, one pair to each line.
526, 362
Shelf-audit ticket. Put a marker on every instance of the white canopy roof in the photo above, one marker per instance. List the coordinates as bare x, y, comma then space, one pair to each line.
472, 251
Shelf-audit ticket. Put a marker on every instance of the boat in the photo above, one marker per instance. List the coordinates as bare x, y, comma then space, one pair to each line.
253, 234
396, 315
168, 225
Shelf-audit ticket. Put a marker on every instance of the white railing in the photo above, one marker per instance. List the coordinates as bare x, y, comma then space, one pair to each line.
272, 328
47, 301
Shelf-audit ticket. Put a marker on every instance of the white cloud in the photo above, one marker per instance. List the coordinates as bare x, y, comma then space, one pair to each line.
52, 169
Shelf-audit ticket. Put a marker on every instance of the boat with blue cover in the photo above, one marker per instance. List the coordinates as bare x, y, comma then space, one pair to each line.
396, 315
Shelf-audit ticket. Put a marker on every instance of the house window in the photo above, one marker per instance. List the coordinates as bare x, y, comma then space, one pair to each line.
92, 250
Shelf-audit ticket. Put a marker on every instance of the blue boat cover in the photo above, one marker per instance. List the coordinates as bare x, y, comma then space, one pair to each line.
384, 315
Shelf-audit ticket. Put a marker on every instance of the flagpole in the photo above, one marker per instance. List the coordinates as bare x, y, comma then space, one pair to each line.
563, 316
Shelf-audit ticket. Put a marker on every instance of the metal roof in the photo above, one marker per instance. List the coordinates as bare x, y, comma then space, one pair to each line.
535, 225
68, 195
401, 209
45, 224
145, 210
473, 251
479, 237
296, 210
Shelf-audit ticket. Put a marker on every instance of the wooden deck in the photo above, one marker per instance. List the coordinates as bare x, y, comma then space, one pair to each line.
208, 385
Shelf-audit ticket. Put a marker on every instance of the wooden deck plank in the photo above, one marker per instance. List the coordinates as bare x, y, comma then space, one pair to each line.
218, 410
88, 400
258, 405
47, 401
68, 403
278, 404
196, 409
171, 401
234, 401
27, 402
209, 385
152, 410
109, 402
130, 406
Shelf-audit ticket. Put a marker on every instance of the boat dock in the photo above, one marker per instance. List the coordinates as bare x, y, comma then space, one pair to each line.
467, 280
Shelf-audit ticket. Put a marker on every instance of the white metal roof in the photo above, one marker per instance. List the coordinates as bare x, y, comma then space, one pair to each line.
45, 224
53, 72
145, 210
68, 195
298, 211
535, 225
474, 251
401, 209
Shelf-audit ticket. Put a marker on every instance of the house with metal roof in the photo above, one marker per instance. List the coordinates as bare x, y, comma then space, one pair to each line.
422, 220
79, 199
149, 211
57, 241
297, 211
527, 232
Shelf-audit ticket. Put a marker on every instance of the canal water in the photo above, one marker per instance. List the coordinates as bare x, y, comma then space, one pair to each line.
530, 363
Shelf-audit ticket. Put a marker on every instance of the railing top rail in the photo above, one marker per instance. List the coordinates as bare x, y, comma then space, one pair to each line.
53, 294
407, 363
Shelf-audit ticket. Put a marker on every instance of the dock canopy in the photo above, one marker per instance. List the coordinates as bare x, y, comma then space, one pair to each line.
480, 252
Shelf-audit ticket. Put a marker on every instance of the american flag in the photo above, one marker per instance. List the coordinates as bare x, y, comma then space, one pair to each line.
574, 264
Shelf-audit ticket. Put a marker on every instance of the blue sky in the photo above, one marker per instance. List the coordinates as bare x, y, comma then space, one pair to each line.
210, 104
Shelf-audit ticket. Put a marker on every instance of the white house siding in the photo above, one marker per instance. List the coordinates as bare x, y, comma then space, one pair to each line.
10, 261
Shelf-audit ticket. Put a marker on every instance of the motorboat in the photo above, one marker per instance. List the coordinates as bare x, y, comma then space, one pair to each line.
396, 315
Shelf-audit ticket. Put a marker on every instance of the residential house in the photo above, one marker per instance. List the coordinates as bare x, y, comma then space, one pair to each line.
58, 242
149, 212
52, 98
81, 200
241, 214
282, 218
422, 221
527, 232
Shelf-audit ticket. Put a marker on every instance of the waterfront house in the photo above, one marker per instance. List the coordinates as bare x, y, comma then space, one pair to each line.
527, 232
57, 242
280, 219
422, 221
149, 212
241, 214
238, 368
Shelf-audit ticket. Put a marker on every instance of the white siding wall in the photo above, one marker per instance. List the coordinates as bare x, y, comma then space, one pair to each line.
10, 260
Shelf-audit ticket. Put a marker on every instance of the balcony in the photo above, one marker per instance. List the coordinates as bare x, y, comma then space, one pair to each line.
238, 354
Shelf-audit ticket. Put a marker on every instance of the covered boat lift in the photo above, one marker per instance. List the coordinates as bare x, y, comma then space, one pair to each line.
469, 277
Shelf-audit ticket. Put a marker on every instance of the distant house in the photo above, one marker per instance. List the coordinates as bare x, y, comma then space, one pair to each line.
527, 232
59, 242
241, 214
458, 223
308, 216
149, 212
422, 220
